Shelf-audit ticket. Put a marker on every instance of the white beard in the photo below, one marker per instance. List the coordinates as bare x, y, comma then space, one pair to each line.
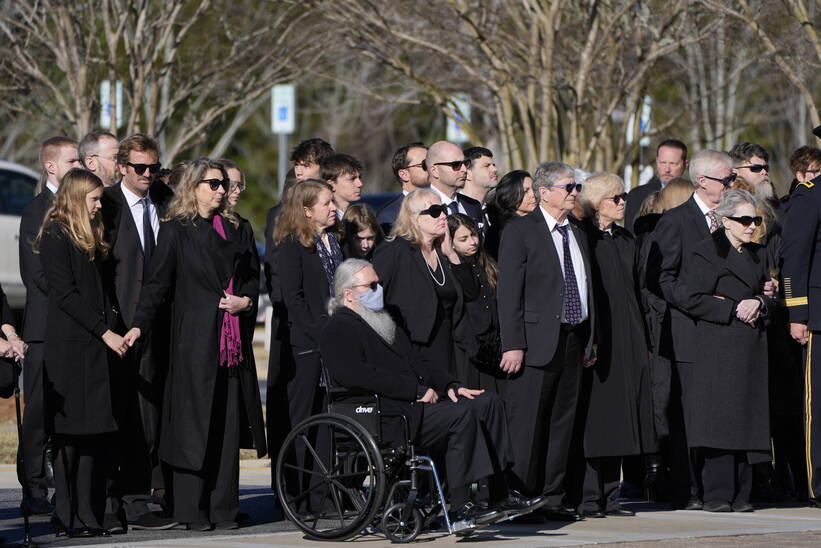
763, 190
381, 322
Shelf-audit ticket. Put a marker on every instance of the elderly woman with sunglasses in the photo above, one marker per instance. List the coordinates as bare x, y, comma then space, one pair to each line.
615, 398
198, 263
729, 419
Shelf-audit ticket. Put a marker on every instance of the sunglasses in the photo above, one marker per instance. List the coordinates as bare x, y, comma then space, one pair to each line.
746, 220
214, 184
435, 210
455, 165
756, 168
726, 181
420, 164
238, 186
372, 285
139, 169
617, 199
570, 187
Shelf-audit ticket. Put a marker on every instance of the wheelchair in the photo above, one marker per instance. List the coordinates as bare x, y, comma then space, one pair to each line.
336, 476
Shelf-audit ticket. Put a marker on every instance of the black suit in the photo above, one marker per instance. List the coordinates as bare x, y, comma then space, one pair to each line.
80, 394
32, 475
387, 214
668, 263
635, 198
541, 398
142, 375
474, 210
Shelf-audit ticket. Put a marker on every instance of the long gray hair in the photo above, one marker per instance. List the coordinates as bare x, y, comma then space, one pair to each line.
343, 279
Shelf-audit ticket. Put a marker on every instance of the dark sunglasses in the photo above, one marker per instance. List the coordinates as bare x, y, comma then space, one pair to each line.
455, 165
139, 169
238, 186
435, 210
617, 199
746, 220
372, 285
214, 184
570, 187
726, 181
421, 164
756, 168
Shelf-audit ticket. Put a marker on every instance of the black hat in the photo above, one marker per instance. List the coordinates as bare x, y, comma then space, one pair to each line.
817, 131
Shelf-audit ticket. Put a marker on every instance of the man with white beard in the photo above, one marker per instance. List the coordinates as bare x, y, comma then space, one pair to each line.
363, 350
751, 163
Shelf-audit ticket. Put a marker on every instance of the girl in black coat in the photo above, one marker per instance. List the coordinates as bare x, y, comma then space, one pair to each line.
362, 233
80, 344
199, 256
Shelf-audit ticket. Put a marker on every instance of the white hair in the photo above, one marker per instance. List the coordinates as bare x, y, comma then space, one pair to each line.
706, 161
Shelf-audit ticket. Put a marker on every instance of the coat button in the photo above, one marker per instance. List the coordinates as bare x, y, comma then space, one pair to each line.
557, 317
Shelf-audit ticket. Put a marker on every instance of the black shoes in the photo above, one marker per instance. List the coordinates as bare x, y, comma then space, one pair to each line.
115, 524
592, 514
37, 506
470, 513
559, 513
717, 506
621, 512
692, 504
62, 530
739, 506
200, 527
153, 522
517, 503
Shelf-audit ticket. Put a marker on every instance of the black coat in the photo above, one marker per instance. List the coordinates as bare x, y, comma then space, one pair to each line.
481, 312
730, 408
357, 358
635, 198
529, 292
6, 315
81, 307
474, 210
31, 268
676, 235
194, 262
387, 214
617, 404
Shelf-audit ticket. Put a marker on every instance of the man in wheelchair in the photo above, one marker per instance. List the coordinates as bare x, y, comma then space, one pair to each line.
363, 350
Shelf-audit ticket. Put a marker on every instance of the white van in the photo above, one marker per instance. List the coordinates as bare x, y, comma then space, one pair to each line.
17, 185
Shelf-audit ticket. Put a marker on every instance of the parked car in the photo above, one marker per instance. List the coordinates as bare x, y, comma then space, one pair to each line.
17, 184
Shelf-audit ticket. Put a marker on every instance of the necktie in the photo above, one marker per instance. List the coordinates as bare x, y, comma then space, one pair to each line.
713, 220
453, 207
572, 300
148, 236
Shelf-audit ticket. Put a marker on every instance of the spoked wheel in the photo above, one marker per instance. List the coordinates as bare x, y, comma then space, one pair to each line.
402, 524
330, 477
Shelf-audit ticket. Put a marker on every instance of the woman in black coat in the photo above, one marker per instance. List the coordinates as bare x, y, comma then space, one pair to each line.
615, 400
513, 197
425, 283
730, 416
199, 257
80, 349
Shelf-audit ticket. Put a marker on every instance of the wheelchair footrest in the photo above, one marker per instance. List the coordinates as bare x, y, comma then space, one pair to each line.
463, 526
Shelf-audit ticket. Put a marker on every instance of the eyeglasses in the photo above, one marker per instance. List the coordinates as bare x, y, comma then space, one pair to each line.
756, 168
421, 164
570, 187
726, 181
746, 220
455, 165
435, 210
617, 199
238, 186
139, 169
372, 285
214, 184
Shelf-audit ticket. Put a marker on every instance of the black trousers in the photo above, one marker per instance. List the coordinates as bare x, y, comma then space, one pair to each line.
541, 408
212, 494
601, 482
727, 476
32, 471
280, 372
812, 415
81, 466
685, 464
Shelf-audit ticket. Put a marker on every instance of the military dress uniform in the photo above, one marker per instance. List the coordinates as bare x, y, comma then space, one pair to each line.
801, 273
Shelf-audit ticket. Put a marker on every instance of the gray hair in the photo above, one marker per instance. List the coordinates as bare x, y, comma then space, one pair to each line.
731, 199
90, 144
547, 174
706, 161
343, 279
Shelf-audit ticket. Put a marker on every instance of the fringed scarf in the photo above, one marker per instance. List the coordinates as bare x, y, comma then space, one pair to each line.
230, 338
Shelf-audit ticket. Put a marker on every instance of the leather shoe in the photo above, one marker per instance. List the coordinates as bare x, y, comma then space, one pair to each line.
621, 512
692, 504
82, 532
468, 512
742, 506
152, 522
717, 506
559, 513
592, 514
201, 527
114, 524
515, 502
60, 528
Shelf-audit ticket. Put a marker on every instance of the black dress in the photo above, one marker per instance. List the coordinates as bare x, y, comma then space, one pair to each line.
439, 349
480, 308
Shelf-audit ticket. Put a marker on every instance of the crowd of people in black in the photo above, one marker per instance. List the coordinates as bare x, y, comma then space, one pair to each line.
557, 339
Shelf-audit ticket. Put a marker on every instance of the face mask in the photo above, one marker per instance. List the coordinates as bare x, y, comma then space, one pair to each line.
372, 299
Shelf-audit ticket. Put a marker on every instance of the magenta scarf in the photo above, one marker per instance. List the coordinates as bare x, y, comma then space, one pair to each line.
230, 339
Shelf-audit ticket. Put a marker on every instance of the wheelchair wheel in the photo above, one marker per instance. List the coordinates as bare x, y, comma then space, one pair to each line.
330, 477
401, 528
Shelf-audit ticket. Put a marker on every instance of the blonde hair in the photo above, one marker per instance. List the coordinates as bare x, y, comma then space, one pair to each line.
293, 220
405, 225
596, 188
184, 204
69, 212
675, 193
651, 204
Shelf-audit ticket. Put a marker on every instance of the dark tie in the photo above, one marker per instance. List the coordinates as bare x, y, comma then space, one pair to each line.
453, 207
148, 237
572, 300
713, 220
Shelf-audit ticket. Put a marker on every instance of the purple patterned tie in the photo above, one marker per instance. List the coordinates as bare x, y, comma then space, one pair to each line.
713, 220
572, 300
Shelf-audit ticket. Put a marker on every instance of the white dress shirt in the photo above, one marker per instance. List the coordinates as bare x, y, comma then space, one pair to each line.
446, 200
136, 208
575, 256
704, 209
52, 187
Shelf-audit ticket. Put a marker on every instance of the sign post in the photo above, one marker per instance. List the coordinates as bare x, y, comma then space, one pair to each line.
111, 106
455, 134
283, 123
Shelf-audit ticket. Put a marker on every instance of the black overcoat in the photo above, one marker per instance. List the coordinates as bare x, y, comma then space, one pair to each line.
731, 409
31, 268
81, 307
194, 262
616, 400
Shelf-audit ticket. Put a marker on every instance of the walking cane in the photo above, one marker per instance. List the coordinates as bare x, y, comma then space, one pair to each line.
27, 541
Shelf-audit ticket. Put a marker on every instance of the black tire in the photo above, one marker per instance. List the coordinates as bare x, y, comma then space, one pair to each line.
400, 530
340, 486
